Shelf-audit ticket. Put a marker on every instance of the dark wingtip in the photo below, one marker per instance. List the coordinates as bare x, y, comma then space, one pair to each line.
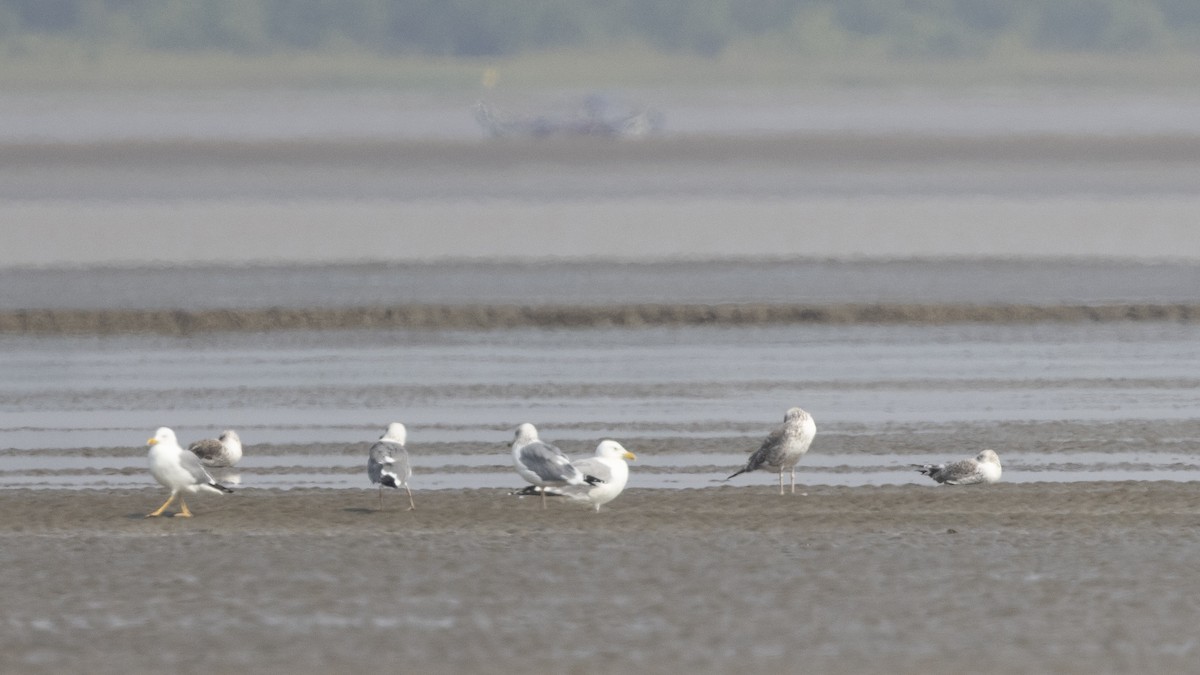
222, 488
592, 480
389, 481
736, 474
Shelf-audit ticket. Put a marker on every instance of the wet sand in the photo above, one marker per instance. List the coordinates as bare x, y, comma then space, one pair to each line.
1085, 577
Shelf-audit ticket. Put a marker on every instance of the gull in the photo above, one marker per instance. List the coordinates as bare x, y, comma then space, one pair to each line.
984, 468
544, 465
387, 462
222, 451
608, 465
178, 470
784, 447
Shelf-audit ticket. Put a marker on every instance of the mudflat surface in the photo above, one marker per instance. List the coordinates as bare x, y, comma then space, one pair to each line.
1039, 577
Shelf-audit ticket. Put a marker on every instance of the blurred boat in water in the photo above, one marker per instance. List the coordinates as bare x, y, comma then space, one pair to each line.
596, 115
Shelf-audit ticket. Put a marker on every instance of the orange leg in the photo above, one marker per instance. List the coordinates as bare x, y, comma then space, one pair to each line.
158, 512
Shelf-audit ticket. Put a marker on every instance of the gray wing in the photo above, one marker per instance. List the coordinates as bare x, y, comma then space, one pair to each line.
208, 449
383, 455
382, 452
548, 462
592, 466
401, 466
959, 473
770, 453
192, 465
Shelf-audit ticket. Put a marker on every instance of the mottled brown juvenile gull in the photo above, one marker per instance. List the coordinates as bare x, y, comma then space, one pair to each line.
387, 462
784, 447
984, 468
223, 451
178, 470
544, 465
607, 465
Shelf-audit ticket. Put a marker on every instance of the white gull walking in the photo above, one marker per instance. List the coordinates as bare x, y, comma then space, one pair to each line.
178, 470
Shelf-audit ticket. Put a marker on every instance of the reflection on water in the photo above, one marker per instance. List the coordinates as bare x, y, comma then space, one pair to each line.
671, 471
342, 388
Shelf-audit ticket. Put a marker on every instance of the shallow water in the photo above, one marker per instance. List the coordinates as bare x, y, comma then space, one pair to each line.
653, 471
1052, 395
599, 283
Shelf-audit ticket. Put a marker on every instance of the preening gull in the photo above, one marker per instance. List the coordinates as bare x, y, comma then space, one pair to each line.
178, 470
784, 447
544, 465
607, 465
984, 468
387, 462
223, 451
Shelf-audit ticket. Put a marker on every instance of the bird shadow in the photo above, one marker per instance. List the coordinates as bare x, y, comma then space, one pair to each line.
359, 510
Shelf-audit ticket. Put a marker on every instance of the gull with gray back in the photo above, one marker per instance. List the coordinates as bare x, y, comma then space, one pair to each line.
387, 462
607, 466
223, 451
544, 465
983, 469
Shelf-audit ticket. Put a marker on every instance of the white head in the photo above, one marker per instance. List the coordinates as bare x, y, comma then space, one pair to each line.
526, 433
988, 457
164, 436
794, 414
614, 450
395, 433
229, 436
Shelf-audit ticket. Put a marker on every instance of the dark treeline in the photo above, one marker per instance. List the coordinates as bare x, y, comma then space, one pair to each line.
932, 28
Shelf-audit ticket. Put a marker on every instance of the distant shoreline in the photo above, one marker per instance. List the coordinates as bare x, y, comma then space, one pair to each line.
505, 317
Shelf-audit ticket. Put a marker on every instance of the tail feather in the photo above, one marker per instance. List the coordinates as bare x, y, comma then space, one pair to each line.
535, 491
927, 469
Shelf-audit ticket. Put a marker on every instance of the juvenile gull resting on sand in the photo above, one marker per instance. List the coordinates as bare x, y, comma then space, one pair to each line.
784, 447
178, 470
222, 451
387, 462
608, 465
544, 465
985, 468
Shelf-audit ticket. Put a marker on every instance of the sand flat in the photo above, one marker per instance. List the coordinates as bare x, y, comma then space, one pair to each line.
1085, 577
